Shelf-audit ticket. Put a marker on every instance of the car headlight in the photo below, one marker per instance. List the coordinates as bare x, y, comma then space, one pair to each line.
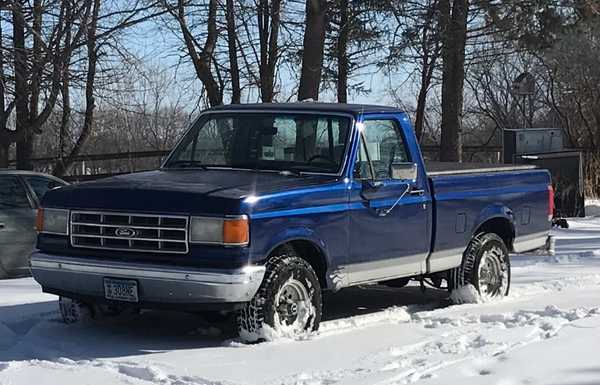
231, 231
52, 221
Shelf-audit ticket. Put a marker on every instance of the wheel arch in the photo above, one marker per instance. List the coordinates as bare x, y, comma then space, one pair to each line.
500, 225
308, 249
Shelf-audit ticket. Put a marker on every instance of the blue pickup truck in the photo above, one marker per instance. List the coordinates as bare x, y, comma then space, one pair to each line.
261, 208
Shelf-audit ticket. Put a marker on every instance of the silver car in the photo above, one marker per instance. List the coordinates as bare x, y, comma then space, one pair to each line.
20, 195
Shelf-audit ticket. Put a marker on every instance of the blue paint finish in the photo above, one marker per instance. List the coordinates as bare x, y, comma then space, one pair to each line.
405, 232
333, 212
486, 196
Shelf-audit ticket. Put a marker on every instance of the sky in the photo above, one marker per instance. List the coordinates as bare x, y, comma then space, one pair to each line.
157, 47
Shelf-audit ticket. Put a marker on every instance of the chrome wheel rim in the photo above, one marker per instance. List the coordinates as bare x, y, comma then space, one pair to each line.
292, 306
492, 273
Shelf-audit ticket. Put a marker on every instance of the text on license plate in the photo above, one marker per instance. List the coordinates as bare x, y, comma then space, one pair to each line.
121, 290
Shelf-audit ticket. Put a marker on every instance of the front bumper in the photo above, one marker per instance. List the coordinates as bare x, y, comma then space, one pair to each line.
157, 284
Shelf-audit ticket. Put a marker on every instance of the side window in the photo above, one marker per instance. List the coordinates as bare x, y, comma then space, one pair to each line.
362, 169
12, 194
41, 185
385, 146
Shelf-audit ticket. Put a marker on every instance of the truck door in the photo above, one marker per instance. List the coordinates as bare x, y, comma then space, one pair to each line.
389, 218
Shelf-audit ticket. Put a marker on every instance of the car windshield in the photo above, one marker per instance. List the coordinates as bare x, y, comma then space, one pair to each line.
279, 142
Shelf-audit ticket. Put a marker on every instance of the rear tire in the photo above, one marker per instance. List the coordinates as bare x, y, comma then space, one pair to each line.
74, 311
288, 302
485, 265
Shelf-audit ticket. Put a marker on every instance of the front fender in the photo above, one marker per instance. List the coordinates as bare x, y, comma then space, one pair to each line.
297, 233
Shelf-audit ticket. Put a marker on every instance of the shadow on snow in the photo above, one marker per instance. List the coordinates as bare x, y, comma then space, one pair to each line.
36, 331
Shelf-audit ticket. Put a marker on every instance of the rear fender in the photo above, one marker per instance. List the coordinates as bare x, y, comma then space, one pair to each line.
495, 211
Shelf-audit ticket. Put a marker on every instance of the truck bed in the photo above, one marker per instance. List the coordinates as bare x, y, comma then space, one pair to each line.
465, 195
455, 168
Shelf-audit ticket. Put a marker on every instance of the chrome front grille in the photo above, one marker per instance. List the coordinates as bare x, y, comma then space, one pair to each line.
129, 232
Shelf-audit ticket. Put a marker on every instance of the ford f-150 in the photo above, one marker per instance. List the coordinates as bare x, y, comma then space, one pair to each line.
261, 208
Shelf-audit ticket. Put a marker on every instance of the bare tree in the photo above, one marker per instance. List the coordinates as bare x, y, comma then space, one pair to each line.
236, 92
42, 69
201, 53
92, 60
454, 14
313, 49
268, 13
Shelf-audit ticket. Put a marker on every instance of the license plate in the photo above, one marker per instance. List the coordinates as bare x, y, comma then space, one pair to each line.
121, 290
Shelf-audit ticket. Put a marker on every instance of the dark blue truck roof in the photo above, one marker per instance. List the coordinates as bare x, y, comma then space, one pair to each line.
353, 109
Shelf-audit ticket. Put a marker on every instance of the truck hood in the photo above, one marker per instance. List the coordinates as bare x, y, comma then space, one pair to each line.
176, 191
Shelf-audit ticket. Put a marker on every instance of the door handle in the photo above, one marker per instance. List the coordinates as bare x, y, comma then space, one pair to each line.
417, 192
385, 212
2, 226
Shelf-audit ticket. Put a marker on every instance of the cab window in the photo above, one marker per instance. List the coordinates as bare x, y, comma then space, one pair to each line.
385, 146
12, 194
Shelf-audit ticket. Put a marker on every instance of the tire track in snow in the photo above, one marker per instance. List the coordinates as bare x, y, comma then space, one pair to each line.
521, 327
462, 338
130, 372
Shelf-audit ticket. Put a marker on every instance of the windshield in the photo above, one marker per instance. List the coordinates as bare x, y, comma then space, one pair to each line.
280, 142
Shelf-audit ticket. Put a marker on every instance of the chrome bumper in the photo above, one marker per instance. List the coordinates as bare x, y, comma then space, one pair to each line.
156, 283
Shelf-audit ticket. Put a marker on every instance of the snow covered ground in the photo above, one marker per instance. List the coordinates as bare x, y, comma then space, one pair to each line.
546, 332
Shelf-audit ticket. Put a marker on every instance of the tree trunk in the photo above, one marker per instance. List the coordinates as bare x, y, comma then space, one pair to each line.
342, 51
454, 30
202, 60
420, 112
4, 112
236, 93
429, 55
268, 31
25, 153
25, 145
313, 47
4, 155
28, 114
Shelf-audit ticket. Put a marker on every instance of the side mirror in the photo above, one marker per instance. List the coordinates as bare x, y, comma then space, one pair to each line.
404, 171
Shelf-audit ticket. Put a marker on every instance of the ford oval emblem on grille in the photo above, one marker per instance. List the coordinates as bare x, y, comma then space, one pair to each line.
125, 232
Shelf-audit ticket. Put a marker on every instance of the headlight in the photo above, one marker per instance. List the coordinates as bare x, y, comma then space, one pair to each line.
233, 231
52, 221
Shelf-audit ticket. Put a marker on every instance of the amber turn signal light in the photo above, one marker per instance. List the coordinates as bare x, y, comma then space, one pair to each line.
39, 220
236, 231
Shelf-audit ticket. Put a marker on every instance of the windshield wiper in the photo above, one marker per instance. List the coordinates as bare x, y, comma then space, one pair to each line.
302, 170
187, 164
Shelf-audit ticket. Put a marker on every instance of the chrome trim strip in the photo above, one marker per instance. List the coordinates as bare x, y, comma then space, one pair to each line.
103, 246
124, 214
385, 269
130, 239
530, 242
120, 269
129, 226
445, 259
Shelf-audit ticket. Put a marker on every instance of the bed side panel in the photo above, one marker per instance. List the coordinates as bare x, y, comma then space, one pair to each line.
464, 202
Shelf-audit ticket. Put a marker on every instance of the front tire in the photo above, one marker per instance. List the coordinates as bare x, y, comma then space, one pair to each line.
288, 302
485, 265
